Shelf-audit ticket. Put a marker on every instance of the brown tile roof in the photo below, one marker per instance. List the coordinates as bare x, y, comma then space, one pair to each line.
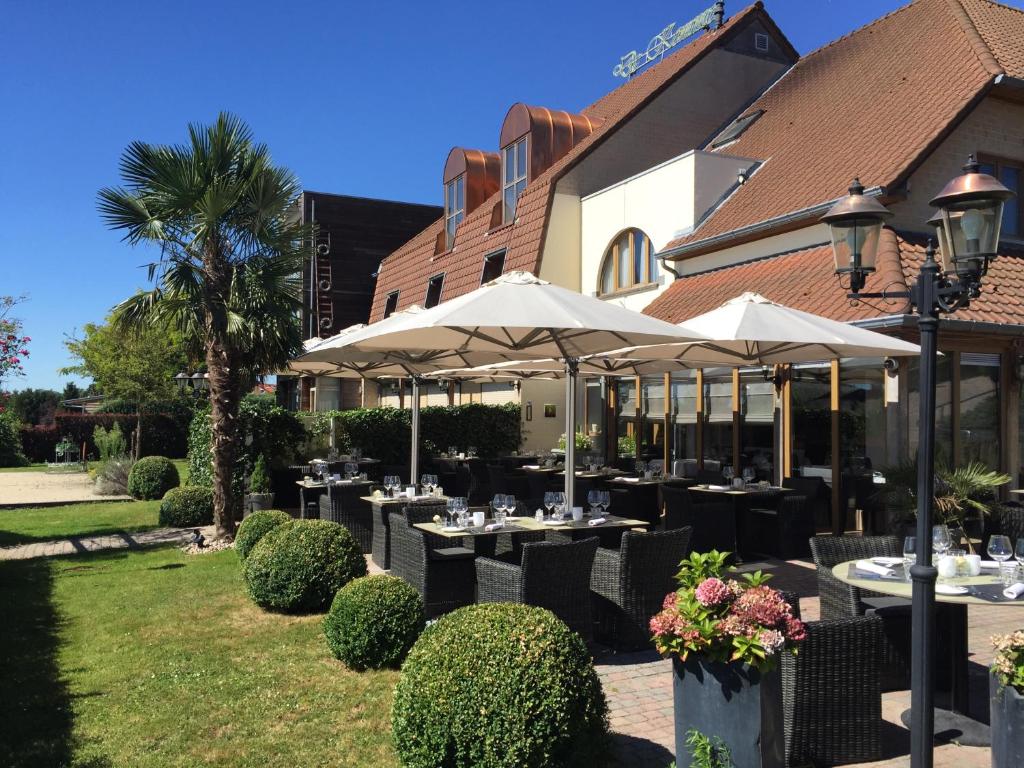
872, 104
805, 280
409, 268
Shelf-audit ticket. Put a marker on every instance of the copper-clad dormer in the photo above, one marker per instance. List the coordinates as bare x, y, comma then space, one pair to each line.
470, 177
532, 140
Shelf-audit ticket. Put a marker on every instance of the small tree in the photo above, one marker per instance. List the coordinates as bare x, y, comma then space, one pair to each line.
13, 343
259, 481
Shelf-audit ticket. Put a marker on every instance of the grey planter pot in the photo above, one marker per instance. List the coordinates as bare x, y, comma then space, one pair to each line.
1007, 718
254, 502
737, 704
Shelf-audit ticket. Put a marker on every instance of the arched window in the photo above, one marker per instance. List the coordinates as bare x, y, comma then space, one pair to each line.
628, 262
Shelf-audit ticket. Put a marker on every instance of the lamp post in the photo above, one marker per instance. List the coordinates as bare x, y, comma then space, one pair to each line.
967, 227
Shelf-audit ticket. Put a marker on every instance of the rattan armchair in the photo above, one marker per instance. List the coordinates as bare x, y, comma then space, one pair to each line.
713, 523
552, 576
782, 532
832, 699
342, 505
444, 577
629, 584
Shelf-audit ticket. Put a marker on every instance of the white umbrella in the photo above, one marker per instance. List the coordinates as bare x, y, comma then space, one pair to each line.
751, 330
515, 317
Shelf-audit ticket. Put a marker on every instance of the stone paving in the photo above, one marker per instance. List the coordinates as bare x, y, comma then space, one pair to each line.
639, 689
25, 489
79, 545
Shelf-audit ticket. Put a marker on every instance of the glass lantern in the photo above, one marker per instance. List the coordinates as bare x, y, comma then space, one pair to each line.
855, 223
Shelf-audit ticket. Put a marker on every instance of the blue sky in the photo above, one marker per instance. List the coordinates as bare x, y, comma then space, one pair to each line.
359, 98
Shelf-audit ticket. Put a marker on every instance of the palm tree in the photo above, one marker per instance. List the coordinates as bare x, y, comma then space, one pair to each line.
227, 274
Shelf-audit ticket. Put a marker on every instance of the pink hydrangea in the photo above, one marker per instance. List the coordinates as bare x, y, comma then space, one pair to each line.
772, 640
712, 592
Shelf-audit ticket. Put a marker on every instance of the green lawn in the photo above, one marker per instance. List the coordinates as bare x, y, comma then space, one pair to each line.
182, 465
156, 658
29, 468
24, 526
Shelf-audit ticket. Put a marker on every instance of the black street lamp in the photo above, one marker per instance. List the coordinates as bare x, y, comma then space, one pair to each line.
967, 226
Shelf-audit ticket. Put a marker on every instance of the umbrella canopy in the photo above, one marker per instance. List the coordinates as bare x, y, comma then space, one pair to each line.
555, 369
751, 330
515, 317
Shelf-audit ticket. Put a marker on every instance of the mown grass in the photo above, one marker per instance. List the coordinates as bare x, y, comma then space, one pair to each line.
29, 468
31, 524
156, 658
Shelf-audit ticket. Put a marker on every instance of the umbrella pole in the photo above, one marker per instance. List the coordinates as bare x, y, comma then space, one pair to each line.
571, 370
414, 457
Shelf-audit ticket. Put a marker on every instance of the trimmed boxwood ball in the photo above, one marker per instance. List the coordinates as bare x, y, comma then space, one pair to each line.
300, 565
187, 505
255, 527
373, 622
151, 477
499, 685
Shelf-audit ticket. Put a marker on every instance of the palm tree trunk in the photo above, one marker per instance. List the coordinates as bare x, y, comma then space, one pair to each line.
224, 401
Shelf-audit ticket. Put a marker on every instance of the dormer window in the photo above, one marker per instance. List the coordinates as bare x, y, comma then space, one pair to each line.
454, 208
629, 262
513, 160
434, 286
390, 304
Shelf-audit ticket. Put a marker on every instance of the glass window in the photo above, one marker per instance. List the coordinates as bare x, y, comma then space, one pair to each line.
652, 412
454, 208
683, 416
943, 408
1009, 173
494, 265
391, 304
594, 416
811, 414
625, 416
718, 417
434, 286
514, 159
629, 261
980, 439
862, 442
757, 438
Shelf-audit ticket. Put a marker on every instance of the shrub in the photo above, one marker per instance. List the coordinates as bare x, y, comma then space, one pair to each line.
112, 476
152, 477
300, 565
373, 622
255, 527
163, 434
187, 506
109, 442
499, 684
10, 442
258, 480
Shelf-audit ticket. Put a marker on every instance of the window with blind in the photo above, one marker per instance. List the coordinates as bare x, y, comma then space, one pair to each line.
629, 261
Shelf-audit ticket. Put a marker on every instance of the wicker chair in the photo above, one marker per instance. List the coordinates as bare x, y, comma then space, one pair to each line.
1007, 519
552, 576
713, 523
343, 505
832, 700
840, 601
442, 576
784, 532
629, 584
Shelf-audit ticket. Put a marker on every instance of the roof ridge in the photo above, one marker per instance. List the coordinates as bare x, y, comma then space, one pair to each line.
974, 37
1004, 5
858, 30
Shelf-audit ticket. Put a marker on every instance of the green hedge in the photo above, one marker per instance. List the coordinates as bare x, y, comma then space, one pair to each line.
152, 477
187, 506
499, 685
255, 527
373, 622
384, 433
300, 565
163, 434
276, 434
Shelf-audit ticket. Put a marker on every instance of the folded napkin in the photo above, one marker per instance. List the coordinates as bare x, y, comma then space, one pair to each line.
493, 526
719, 488
596, 521
531, 466
1014, 591
630, 479
868, 567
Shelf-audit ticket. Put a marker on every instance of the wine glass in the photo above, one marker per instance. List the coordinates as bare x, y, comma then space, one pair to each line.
909, 553
510, 503
549, 501
449, 513
999, 549
425, 483
606, 501
728, 473
941, 540
749, 473
593, 499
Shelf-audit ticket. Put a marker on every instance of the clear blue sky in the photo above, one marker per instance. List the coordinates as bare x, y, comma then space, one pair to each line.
358, 98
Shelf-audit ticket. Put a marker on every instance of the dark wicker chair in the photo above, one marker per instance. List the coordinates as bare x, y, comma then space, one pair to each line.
343, 505
629, 584
832, 699
840, 601
552, 576
480, 485
1008, 520
784, 532
819, 498
444, 577
713, 523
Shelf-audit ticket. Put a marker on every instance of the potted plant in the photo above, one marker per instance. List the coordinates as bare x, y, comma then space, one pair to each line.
260, 495
725, 637
1006, 700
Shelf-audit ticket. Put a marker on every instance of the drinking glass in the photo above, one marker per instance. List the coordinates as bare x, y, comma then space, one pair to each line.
425, 483
449, 513
941, 540
549, 501
909, 553
593, 499
749, 473
640, 467
606, 501
999, 549
728, 473
510, 503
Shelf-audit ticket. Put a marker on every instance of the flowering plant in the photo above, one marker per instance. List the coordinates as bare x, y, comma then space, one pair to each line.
1008, 663
724, 619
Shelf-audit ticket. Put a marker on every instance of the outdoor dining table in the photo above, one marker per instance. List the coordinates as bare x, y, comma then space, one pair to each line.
520, 525
382, 507
685, 482
740, 499
984, 590
320, 488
